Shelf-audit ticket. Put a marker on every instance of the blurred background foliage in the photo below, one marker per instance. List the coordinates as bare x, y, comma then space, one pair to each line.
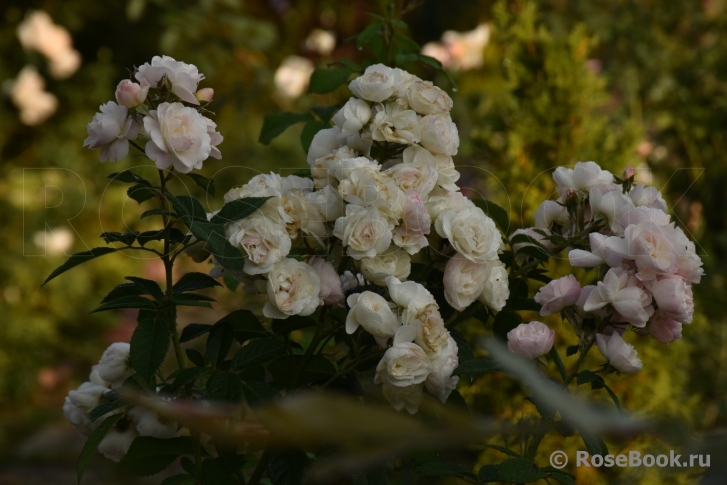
620, 82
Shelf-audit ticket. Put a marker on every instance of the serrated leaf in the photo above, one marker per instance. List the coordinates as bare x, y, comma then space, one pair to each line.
92, 443
189, 208
127, 238
325, 113
368, 33
128, 302
225, 386
141, 193
122, 290
488, 474
504, 322
158, 212
258, 352
149, 456
192, 299
309, 131
219, 342
287, 467
586, 376
148, 287
149, 346
129, 177
194, 330
525, 239
193, 282
502, 449
324, 80
277, 123
238, 209
495, 212
476, 367
183, 377
195, 357
258, 392
519, 470
227, 255
245, 325
444, 469
77, 259
208, 185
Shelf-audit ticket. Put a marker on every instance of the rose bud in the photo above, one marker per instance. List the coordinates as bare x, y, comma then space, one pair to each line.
205, 94
130, 94
629, 172
532, 339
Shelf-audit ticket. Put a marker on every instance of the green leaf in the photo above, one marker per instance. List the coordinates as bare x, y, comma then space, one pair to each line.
122, 290
325, 113
195, 357
309, 131
276, 123
92, 443
149, 456
77, 259
464, 349
368, 33
594, 444
288, 467
158, 212
495, 212
219, 342
586, 376
182, 479
225, 386
110, 402
259, 352
245, 325
193, 282
558, 362
525, 239
517, 303
127, 238
504, 322
404, 59
488, 473
290, 324
258, 392
126, 303
444, 469
324, 80
189, 208
194, 330
227, 255
203, 182
435, 64
519, 470
182, 377
192, 299
476, 367
149, 346
148, 287
562, 477
215, 469
238, 209
502, 449
141, 193
129, 177
534, 252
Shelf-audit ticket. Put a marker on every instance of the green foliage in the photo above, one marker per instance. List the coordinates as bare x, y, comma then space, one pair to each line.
148, 456
89, 448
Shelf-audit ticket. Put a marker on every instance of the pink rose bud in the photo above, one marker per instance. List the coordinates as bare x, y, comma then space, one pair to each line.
532, 339
558, 294
130, 94
629, 172
620, 355
205, 94
673, 296
331, 290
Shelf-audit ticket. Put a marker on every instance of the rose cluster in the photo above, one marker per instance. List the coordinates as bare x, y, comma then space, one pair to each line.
108, 375
647, 264
382, 191
156, 111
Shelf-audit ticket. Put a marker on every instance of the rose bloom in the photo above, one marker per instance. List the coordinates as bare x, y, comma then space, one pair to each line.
262, 239
471, 233
323, 169
116, 443
610, 250
147, 423
392, 262
130, 95
292, 76
620, 355
327, 201
331, 291
558, 294
394, 123
497, 288
610, 202
180, 137
532, 339
183, 77
653, 247
80, 403
293, 289
464, 282
110, 130
372, 312
377, 83
440, 381
643, 196
620, 289
352, 117
442, 200
367, 186
323, 143
411, 233
408, 294
447, 175
427, 99
402, 371
28, 93
439, 134
114, 366
365, 232
582, 177
663, 328
417, 172
551, 212
673, 296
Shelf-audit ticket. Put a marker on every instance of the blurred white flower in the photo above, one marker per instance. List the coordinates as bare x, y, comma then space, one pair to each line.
460, 51
292, 76
321, 41
184, 78
39, 33
28, 93
55, 241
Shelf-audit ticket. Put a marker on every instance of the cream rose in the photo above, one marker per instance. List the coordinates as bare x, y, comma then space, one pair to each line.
364, 231
440, 381
497, 289
532, 339
110, 130
394, 123
464, 281
392, 262
262, 239
427, 99
372, 312
471, 233
402, 372
323, 143
293, 289
377, 83
411, 233
439, 134
184, 78
417, 172
323, 169
352, 117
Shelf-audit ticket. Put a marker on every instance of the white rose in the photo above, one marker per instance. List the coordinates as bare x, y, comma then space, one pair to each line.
440, 381
300, 216
95, 378
110, 130
427, 99
79, 403
352, 117
78, 418
331, 290
130, 95
643, 196
411, 234
366, 186
377, 83
447, 175
604, 249
441, 200
674, 298
394, 123
409, 294
471, 233
261, 185
654, 248
262, 239
327, 201
179, 137
364, 231
323, 143
344, 167
497, 289
372, 312
417, 172
620, 289
184, 78
532, 339
116, 443
392, 262
431, 333
620, 355
689, 265
293, 289
114, 365
402, 371
558, 294
439, 134
582, 177
405, 80
323, 169
147, 423
215, 139
349, 281
551, 212
610, 202
464, 281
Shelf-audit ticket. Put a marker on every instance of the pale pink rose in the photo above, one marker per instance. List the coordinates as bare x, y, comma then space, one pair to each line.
620, 289
532, 339
551, 212
183, 77
411, 234
331, 291
609, 202
110, 130
604, 249
653, 247
131, 94
643, 196
205, 94
673, 296
663, 328
558, 294
582, 177
689, 265
628, 172
439, 134
464, 281
620, 355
